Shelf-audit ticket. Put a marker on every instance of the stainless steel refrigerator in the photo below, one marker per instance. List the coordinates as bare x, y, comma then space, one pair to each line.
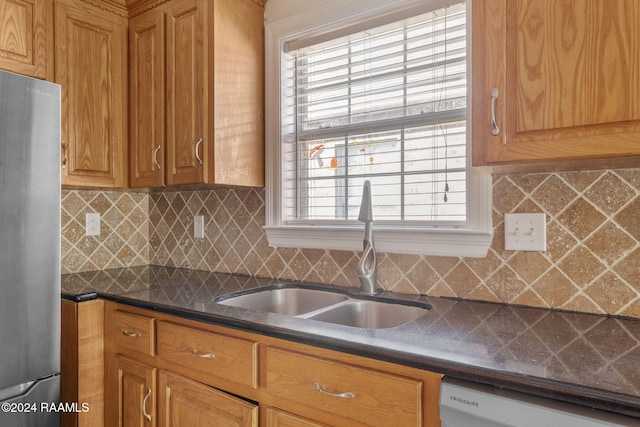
29, 251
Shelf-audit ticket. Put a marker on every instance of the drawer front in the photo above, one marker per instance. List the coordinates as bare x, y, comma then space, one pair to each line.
368, 396
216, 355
131, 332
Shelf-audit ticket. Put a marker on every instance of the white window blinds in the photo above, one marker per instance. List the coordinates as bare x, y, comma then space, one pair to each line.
387, 104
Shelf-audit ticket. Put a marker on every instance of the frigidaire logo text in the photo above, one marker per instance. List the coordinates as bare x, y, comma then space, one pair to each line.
39, 92
465, 401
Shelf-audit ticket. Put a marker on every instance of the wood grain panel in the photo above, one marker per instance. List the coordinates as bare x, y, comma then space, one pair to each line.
185, 92
147, 99
576, 63
91, 68
23, 28
183, 402
82, 361
376, 398
568, 79
135, 381
278, 418
239, 93
129, 332
229, 358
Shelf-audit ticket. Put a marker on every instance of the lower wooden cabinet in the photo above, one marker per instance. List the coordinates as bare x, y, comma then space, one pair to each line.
134, 402
278, 418
180, 372
183, 402
362, 395
82, 362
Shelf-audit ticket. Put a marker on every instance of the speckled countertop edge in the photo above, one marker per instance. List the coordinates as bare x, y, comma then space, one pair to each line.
580, 358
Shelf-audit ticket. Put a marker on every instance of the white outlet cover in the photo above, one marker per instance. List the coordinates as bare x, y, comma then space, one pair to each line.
525, 232
92, 224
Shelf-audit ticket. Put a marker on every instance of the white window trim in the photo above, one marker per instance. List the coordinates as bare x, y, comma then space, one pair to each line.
472, 241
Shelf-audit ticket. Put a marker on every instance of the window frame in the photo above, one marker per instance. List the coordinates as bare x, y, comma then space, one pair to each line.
472, 240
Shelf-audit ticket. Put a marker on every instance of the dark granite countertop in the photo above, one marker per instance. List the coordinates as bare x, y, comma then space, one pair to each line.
582, 358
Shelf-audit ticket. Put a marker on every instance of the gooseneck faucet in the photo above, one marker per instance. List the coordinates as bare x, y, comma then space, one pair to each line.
368, 266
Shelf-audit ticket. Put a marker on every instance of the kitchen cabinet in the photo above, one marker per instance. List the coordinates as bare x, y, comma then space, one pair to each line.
147, 99
278, 418
90, 65
567, 82
135, 396
196, 94
82, 361
208, 372
361, 395
214, 356
183, 402
23, 37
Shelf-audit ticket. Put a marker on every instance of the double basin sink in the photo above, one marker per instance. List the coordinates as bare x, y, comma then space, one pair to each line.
328, 305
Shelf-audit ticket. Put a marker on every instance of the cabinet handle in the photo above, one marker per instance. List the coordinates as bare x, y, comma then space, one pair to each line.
63, 147
155, 157
198, 151
144, 405
346, 395
495, 130
130, 334
194, 352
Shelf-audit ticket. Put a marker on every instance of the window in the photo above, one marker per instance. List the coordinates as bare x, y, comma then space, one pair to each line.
378, 96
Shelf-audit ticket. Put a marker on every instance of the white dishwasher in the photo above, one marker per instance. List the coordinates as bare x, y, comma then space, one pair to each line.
467, 404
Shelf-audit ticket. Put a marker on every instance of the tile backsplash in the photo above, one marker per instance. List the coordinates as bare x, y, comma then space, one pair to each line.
592, 262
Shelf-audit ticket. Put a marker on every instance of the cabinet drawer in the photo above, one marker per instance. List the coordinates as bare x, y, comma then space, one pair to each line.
131, 332
215, 355
368, 396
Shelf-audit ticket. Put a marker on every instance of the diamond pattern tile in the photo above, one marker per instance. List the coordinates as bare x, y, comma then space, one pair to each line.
592, 262
124, 237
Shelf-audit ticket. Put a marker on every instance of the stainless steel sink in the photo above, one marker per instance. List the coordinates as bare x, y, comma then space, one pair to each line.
332, 306
370, 314
291, 301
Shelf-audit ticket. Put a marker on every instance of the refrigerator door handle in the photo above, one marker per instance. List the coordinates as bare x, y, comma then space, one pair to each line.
17, 391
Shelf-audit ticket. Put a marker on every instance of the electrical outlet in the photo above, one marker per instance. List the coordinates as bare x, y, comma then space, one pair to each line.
525, 232
198, 227
92, 224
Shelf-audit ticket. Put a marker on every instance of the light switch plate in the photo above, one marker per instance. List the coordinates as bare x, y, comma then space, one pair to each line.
525, 232
198, 227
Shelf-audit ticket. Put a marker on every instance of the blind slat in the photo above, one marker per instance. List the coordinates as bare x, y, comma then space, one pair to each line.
387, 104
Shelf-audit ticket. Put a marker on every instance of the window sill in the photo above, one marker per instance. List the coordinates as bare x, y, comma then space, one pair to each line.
435, 242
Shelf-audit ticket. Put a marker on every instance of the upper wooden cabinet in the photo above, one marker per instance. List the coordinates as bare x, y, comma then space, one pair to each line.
567, 81
90, 65
204, 61
23, 37
147, 99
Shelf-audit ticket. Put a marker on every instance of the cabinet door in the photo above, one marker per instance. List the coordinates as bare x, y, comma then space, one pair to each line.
146, 99
567, 78
278, 418
238, 68
136, 395
187, 143
23, 47
183, 402
90, 65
